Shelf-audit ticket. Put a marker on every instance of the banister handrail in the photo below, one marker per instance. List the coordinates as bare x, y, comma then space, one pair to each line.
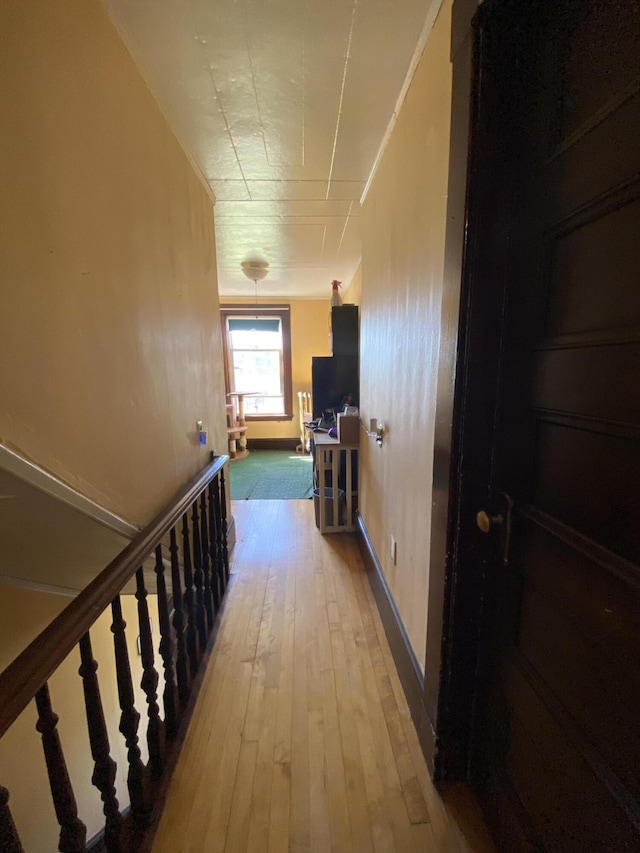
34, 666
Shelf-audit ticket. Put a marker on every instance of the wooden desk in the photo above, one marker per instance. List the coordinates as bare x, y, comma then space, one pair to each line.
328, 453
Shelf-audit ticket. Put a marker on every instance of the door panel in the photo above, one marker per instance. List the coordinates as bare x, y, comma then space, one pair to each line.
572, 180
568, 805
579, 380
589, 481
590, 678
591, 262
602, 40
557, 725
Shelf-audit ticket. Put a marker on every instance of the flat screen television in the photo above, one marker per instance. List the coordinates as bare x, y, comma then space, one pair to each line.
334, 383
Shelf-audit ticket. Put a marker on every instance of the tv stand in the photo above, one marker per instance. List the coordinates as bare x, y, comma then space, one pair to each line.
327, 461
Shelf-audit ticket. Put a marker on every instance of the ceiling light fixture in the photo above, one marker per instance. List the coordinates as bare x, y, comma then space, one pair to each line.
255, 270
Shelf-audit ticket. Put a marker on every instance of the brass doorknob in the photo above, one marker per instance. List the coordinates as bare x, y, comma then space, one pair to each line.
485, 522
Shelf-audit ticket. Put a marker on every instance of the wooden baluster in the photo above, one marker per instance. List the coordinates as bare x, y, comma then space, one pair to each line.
9, 838
182, 669
104, 767
129, 718
73, 832
149, 681
223, 516
170, 694
216, 586
206, 572
214, 500
222, 531
189, 598
198, 577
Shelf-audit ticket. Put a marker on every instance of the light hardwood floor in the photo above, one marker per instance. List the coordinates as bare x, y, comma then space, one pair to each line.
301, 739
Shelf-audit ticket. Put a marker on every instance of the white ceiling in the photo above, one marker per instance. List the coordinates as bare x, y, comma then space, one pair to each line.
283, 106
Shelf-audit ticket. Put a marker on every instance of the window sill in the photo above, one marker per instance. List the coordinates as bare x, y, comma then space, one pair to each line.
268, 417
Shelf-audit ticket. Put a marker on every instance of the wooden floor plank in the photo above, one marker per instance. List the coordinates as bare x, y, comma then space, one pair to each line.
300, 816
414, 800
301, 740
237, 834
280, 817
260, 815
319, 831
355, 768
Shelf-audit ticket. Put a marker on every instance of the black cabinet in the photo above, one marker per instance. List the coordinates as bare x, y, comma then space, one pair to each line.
344, 330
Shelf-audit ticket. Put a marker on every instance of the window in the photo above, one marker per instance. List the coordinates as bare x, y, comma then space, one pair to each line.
257, 344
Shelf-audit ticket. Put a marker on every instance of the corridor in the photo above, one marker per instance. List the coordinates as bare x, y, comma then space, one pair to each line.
301, 738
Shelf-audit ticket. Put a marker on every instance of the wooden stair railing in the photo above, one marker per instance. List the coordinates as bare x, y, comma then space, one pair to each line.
198, 576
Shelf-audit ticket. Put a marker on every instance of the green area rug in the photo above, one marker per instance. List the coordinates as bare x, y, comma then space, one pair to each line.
271, 475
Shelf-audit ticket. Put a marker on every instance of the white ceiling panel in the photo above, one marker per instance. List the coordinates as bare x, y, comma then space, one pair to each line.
349, 244
281, 190
299, 240
290, 208
230, 190
283, 105
347, 189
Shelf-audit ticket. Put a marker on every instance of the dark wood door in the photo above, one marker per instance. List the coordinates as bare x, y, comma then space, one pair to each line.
553, 273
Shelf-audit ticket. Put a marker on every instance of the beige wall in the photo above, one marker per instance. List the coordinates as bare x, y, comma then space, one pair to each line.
109, 333
404, 219
309, 337
23, 614
353, 293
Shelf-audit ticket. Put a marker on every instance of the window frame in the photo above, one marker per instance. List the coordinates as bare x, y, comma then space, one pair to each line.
283, 313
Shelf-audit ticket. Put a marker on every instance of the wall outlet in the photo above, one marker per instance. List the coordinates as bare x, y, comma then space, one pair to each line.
393, 549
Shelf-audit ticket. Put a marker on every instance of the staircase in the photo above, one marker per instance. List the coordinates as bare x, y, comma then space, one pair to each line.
126, 735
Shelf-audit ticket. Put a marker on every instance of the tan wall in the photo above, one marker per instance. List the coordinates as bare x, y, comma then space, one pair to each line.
404, 218
353, 293
309, 337
109, 333
23, 614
